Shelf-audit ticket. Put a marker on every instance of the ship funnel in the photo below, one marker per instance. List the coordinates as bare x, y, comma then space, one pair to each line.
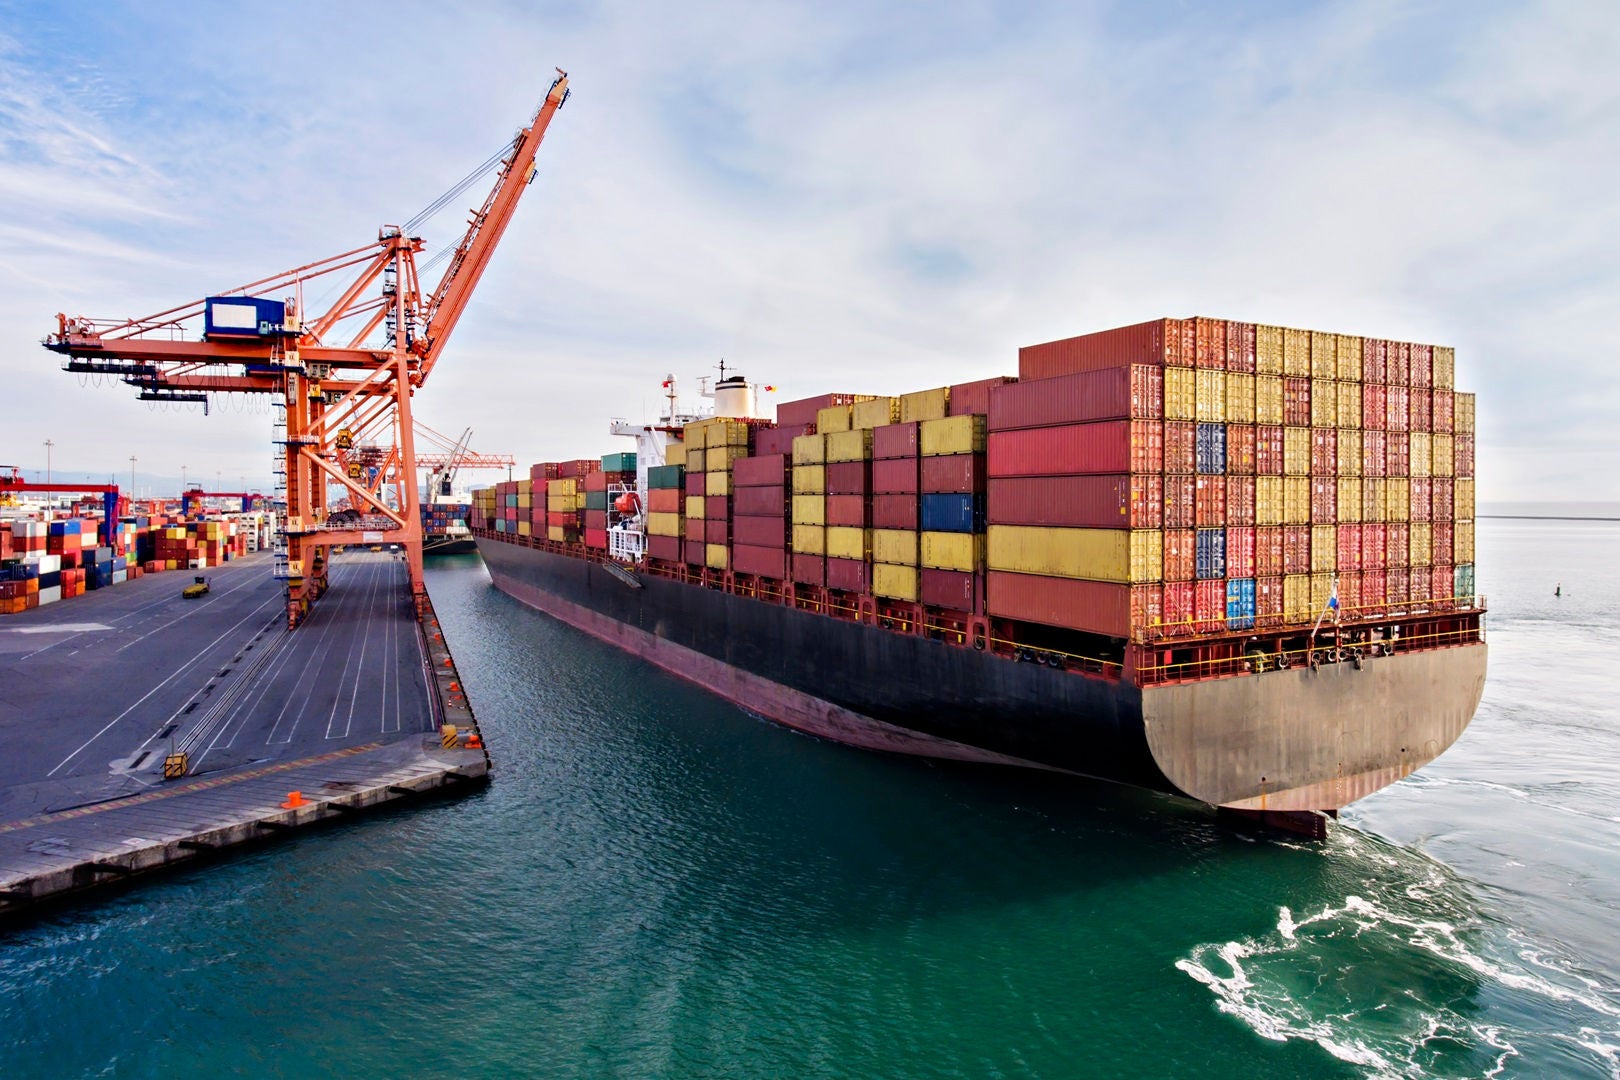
734, 397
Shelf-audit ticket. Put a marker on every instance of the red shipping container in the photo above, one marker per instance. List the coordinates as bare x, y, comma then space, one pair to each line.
1115, 446
1372, 547
1373, 587
849, 575
1210, 501
667, 548
1441, 538
1420, 410
898, 476
1092, 606
563, 519
1240, 449
716, 532
764, 532
1444, 498
1374, 366
579, 467
769, 470
1091, 502
544, 470
1465, 456
692, 553
1442, 586
1176, 603
1324, 500
973, 398
1397, 454
1127, 392
954, 474
1297, 402
596, 481
1399, 370
1209, 336
1398, 408
1160, 342
850, 511
1239, 503
1349, 549
596, 519
1268, 449
1422, 371
1180, 501
1268, 601
1443, 404
1180, 447
1324, 451
1395, 587
809, 570
895, 512
1350, 601
595, 538
1374, 399
692, 530
716, 507
1422, 499
758, 501
1209, 607
665, 501
768, 562
1240, 347
849, 478
1374, 453
1296, 549
695, 483
895, 441
950, 589
1268, 551
1418, 588
1240, 552
1397, 545
1180, 554
803, 411
779, 440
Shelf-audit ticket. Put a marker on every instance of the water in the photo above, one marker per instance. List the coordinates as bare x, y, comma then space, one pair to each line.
658, 884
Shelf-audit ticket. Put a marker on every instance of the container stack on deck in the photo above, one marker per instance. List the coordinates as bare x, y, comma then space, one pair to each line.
1174, 479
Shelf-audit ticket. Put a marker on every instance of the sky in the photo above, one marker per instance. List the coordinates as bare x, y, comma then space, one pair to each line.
831, 197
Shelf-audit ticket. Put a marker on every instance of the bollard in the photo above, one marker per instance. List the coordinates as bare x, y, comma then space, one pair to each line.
295, 799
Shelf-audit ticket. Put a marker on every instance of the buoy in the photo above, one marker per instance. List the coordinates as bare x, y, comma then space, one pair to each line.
295, 799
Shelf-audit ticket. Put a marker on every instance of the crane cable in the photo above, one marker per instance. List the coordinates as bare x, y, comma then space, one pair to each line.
461, 186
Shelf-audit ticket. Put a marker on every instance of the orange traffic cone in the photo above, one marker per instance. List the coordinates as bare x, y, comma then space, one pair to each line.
295, 799
474, 742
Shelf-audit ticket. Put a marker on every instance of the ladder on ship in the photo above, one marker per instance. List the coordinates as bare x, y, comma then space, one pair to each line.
278, 468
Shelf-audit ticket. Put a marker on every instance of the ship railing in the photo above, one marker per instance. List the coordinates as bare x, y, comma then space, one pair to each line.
1260, 661
1291, 620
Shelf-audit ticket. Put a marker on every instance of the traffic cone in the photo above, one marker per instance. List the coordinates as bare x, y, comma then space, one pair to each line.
295, 799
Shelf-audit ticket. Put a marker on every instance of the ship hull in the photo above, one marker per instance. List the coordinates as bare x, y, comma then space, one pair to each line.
1281, 741
441, 544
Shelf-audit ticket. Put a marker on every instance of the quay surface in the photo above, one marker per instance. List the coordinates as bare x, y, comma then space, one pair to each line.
99, 690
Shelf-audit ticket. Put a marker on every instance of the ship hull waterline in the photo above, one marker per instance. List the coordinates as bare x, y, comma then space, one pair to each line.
1274, 746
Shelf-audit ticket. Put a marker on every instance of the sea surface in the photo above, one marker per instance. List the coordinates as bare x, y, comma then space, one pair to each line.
658, 884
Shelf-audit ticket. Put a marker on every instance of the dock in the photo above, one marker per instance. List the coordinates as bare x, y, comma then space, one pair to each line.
279, 729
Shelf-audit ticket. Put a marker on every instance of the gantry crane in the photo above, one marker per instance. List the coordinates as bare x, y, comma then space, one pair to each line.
329, 370
112, 503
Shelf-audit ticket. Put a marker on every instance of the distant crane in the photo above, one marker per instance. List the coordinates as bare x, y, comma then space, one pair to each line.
336, 379
11, 482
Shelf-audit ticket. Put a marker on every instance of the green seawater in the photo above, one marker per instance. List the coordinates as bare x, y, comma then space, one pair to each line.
658, 884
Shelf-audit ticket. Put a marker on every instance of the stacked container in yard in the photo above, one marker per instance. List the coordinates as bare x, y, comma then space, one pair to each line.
666, 510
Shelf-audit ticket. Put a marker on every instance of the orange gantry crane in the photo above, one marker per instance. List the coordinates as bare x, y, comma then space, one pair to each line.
349, 369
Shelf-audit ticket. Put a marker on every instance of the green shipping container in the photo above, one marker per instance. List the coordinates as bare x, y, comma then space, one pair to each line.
620, 462
665, 477
596, 500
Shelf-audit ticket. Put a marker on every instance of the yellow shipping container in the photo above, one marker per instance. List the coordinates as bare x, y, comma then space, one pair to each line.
1297, 598
1324, 548
525, 487
1349, 450
1445, 367
1268, 399
1422, 454
1180, 393
1442, 450
1324, 403
1463, 407
1268, 353
833, 418
726, 432
565, 486
696, 461
1422, 537
876, 413
1324, 357
1296, 352
663, 524
1117, 555
1398, 498
809, 539
719, 458
555, 534
525, 529
1297, 451
894, 582
953, 551
809, 479
809, 510
1296, 500
1462, 542
1374, 500
1350, 499
717, 483
1321, 591
525, 502
1462, 500
1211, 395
1349, 355
1349, 401
953, 435
846, 542
898, 547
1239, 398
810, 450
855, 445
692, 437
925, 405
694, 506
716, 556
1268, 500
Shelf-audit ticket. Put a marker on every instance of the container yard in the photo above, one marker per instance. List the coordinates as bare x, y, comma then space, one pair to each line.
1184, 518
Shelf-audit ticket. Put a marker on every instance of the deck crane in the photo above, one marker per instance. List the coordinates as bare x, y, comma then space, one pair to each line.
330, 370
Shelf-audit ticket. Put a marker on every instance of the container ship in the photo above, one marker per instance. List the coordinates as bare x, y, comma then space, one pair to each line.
1227, 561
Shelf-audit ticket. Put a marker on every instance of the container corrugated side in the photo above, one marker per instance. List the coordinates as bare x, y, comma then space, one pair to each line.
1160, 342
1117, 555
1132, 501
1127, 392
1076, 604
1115, 446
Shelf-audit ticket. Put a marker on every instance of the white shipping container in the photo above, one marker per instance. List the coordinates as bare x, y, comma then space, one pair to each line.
50, 595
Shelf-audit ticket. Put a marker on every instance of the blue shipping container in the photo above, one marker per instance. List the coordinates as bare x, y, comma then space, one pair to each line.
243, 316
1240, 604
953, 513
1211, 554
1211, 448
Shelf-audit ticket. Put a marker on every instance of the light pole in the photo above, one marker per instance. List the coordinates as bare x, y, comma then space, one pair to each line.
182, 480
132, 476
48, 493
